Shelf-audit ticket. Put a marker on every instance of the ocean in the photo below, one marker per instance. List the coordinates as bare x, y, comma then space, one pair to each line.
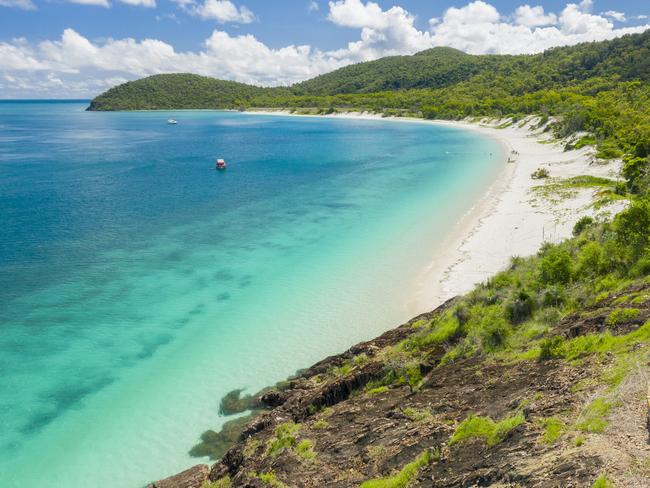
138, 285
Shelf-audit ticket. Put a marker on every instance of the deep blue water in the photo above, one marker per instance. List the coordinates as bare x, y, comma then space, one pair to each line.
138, 285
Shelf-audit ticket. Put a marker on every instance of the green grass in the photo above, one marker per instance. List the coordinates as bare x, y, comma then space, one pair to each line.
621, 316
603, 482
403, 477
269, 478
377, 390
557, 347
220, 483
305, 449
417, 415
553, 430
320, 424
284, 438
592, 418
485, 428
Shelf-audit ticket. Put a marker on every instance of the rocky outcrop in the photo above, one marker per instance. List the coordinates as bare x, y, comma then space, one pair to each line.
195, 477
336, 427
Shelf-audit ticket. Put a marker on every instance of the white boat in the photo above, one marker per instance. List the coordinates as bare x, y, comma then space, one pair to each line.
171, 122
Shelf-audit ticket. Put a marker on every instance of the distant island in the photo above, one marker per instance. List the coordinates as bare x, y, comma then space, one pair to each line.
538, 375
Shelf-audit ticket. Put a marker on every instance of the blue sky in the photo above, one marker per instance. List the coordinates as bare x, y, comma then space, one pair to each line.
78, 48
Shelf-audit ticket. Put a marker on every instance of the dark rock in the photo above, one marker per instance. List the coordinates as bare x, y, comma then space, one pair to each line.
194, 477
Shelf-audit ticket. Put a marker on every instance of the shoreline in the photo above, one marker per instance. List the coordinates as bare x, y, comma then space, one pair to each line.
510, 218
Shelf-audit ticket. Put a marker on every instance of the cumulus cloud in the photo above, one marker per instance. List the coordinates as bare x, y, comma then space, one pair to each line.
312, 6
222, 11
477, 28
383, 32
22, 4
533, 16
84, 65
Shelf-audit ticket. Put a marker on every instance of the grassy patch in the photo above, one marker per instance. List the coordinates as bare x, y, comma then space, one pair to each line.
603, 482
403, 477
320, 424
377, 390
417, 415
220, 483
285, 438
486, 428
270, 479
305, 449
592, 418
557, 347
553, 430
621, 316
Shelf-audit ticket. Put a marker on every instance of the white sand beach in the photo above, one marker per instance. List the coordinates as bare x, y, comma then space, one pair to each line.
511, 218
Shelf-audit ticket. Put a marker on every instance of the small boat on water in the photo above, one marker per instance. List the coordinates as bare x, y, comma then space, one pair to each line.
171, 122
220, 164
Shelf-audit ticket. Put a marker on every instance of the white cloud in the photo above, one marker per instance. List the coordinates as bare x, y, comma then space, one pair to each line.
617, 16
140, 3
313, 6
354, 13
99, 3
22, 4
84, 65
476, 29
533, 16
383, 32
220, 10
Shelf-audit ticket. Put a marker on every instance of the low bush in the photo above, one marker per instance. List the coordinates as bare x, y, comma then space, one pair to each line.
486, 428
621, 316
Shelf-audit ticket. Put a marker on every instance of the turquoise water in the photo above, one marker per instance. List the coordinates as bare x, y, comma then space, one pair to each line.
138, 285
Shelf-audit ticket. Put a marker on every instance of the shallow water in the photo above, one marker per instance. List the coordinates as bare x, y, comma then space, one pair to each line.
138, 285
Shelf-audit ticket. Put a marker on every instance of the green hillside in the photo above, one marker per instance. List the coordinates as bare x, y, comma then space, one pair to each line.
176, 91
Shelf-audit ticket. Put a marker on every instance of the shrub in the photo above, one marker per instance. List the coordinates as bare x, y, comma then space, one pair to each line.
555, 266
305, 449
621, 315
585, 141
591, 261
551, 347
495, 334
520, 308
608, 150
553, 296
632, 227
582, 224
284, 438
539, 174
